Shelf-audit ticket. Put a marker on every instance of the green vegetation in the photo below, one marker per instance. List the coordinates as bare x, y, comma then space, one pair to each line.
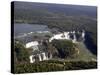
65, 48
54, 65
21, 53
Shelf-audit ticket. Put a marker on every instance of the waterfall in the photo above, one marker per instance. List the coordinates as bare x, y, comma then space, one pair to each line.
44, 56
40, 57
68, 36
50, 55
31, 59
83, 35
74, 40
73, 32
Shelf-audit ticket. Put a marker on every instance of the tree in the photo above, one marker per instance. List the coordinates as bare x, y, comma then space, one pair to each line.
65, 48
47, 35
21, 52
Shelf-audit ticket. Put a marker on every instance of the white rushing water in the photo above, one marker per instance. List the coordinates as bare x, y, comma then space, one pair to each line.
83, 34
44, 56
74, 40
31, 57
40, 59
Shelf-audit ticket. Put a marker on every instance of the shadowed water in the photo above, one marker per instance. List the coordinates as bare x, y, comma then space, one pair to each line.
90, 44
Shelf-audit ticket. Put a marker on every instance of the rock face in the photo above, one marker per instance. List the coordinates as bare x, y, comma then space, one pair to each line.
72, 35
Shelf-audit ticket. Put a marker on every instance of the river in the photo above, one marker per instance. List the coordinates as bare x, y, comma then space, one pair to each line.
21, 28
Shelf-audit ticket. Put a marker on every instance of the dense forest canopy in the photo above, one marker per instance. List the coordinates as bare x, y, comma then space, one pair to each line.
55, 9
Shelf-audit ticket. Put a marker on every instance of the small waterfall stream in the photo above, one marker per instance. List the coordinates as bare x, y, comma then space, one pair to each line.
44, 56
40, 59
32, 60
74, 40
83, 35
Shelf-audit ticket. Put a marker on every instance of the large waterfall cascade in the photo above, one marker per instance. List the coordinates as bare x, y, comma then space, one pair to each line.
66, 35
